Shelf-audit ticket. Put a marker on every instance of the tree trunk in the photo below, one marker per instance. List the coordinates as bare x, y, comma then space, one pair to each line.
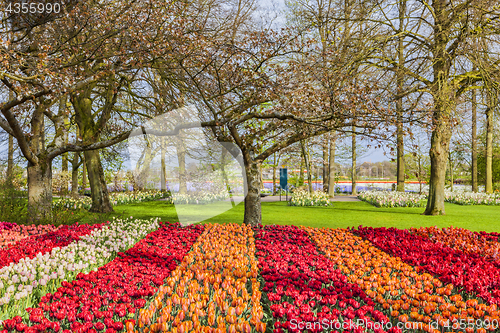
40, 192
98, 186
353, 168
40, 174
489, 149
10, 159
253, 212
300, 179
274, 174
90, 132
439, 159
181, 157
420, 178
142, 178
308, 165
444, 102
163, 173
331, 169
64, 167
261, 179
474, 142
400, 162
325, 165
74, 175
451, 172
400, 167
10, 153
84, 174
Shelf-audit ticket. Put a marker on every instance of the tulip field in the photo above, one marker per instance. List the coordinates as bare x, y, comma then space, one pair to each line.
145, 276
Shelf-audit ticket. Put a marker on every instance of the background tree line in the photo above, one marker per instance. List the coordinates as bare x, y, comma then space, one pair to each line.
80, 81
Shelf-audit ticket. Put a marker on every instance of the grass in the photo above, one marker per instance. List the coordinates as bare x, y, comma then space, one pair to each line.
341, 215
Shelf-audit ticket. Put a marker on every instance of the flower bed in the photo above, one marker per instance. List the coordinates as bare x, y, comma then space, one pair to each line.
213, 289
141, 277
303, 288
9, 236
463, 240
408, 295
29, 247
116, 198
303, 198
23, 284
6, 226
471, 198
471, 272
107, 298
393, 199
199, 198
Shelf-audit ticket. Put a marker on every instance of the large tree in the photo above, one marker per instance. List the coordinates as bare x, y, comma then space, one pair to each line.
49, 57
265, 91
438, 53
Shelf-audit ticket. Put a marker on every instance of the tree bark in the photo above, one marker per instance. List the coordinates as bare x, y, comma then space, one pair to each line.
325, 165
10, 152
98, 186
163, 172
331, 170
89, 130
444, 103
261, 179
420, 178
300, 179
39, 174
181, 157
64, 166
274, 174
74, 175
308, 166
253, 211
84, 174
439, 158
474, 142
40, 191
489, 148
149, 155
353, 167
10, 160
451, 172
400, 162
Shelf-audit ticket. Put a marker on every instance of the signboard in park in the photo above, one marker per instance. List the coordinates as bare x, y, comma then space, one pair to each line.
283, 178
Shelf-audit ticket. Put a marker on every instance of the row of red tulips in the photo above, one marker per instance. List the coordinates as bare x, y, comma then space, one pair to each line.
472, 272
30, 246
303, 289
108, 298
469, 242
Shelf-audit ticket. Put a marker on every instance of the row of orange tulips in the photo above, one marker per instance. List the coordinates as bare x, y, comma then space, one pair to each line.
214, 289
401, 290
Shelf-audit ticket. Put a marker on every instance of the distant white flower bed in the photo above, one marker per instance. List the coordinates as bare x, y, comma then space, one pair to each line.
199, 198
116, 198
393, 199
470, 198
303, 198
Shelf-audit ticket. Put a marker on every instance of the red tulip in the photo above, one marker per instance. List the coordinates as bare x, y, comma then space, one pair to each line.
99, 326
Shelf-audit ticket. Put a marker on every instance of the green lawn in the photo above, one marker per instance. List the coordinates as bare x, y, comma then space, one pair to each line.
341, 215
